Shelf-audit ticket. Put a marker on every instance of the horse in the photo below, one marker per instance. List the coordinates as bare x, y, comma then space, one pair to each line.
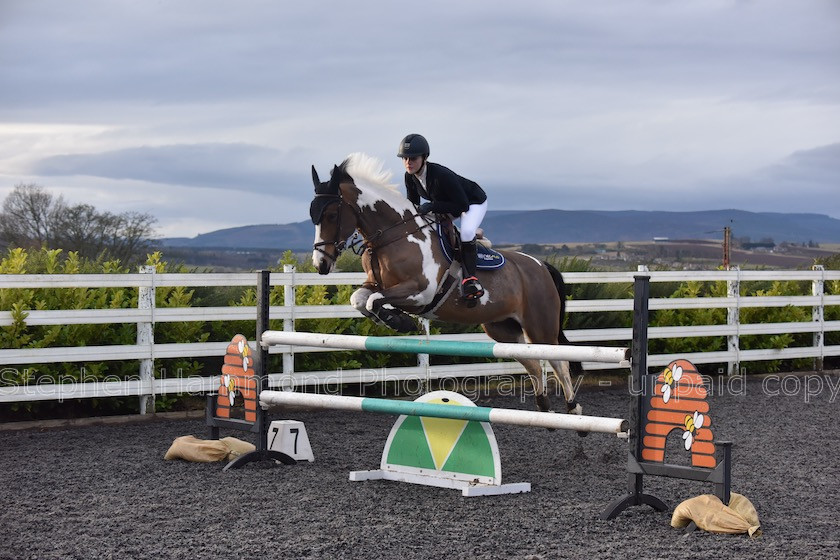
408, 272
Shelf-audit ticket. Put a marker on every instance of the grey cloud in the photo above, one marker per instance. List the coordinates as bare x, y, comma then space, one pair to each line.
824, 158
817, 169
242, 166
804, 182
193, 52
617, 99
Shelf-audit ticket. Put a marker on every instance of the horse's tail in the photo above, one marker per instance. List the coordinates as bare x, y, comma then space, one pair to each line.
576, 367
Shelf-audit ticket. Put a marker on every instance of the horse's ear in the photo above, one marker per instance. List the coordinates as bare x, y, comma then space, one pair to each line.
335, 179
315, 178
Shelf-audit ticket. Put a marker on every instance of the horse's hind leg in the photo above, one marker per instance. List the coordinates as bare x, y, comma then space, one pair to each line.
510, 331
561, 371
573, 367
535, 372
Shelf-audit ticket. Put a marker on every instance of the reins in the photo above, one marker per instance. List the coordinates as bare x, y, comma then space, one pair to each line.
368, 243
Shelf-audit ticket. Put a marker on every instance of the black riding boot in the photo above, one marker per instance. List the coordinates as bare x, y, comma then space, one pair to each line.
470, 286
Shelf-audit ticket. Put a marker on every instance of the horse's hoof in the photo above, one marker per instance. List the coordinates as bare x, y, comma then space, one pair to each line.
406, 325
401, 323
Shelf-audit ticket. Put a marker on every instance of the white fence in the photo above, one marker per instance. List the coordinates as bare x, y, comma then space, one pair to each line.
146, 315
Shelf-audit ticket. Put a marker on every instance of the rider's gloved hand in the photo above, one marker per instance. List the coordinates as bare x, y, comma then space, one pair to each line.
425, 208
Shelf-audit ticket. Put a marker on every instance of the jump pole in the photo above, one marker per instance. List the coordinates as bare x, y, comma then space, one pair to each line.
603, 354
478, 413
643, 385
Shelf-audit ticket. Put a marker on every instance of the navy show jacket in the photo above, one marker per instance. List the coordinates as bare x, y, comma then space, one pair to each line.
449, 192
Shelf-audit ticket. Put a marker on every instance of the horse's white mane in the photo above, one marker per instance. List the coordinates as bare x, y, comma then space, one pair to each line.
368, 169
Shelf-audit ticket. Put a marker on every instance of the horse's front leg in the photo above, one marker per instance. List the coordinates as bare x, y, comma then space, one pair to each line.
371, 304
359, 300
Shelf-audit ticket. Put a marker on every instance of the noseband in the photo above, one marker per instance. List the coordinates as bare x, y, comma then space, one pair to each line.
338, 243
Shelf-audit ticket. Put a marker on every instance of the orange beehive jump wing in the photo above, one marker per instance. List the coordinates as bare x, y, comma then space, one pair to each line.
238, 378
679, 404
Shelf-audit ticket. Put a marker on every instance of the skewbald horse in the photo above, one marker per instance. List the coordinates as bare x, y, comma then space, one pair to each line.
407, 272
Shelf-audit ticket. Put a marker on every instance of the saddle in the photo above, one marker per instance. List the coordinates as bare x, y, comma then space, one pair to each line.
487, 258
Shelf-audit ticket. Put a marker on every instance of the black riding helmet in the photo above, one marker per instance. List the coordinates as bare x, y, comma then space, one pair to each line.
413, 145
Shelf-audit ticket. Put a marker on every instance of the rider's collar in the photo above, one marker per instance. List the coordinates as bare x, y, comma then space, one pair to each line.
421, 175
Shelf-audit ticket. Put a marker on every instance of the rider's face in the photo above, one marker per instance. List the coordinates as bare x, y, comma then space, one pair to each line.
413, 163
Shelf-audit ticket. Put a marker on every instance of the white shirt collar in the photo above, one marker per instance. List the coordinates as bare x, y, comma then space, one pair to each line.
421, 176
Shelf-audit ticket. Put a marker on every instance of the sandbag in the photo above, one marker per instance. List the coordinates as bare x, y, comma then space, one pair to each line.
190, 448
710, 514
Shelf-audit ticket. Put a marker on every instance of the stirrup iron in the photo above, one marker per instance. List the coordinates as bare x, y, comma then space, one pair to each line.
471, 288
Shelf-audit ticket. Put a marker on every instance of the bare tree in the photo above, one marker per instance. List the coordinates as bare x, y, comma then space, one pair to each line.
28, 216
32, 217
78, 228
135, 235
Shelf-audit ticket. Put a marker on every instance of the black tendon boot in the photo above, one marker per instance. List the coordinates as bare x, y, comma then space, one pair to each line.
471, 289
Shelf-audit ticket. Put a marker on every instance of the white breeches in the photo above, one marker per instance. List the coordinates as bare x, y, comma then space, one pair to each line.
471, 220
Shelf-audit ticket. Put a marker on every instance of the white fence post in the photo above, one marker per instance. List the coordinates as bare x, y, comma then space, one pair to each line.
146, 337
733, 319
289, 293
818, 314
423, 359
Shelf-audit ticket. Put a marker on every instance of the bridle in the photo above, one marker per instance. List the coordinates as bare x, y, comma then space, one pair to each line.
338, 243
368, 244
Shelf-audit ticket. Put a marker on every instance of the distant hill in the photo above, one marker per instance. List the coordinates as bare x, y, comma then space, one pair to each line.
565, 226
295, 236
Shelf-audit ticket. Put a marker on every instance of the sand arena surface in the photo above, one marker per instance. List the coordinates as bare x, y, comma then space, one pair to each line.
106, 492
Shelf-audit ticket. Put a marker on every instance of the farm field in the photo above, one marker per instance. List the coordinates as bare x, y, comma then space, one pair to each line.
701, 254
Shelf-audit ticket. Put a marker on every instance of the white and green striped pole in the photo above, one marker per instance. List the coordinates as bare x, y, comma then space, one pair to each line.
604, 354
435, 410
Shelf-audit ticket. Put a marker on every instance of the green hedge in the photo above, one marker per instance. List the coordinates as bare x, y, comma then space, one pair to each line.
21, 335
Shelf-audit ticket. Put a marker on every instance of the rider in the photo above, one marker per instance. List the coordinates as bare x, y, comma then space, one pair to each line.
448, 193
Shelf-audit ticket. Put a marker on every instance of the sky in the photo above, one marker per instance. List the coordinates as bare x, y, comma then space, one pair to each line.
208, 114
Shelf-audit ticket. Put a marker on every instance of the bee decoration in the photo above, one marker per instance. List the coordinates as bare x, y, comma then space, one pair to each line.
245, 352
230, 384
671, 379
692, 424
